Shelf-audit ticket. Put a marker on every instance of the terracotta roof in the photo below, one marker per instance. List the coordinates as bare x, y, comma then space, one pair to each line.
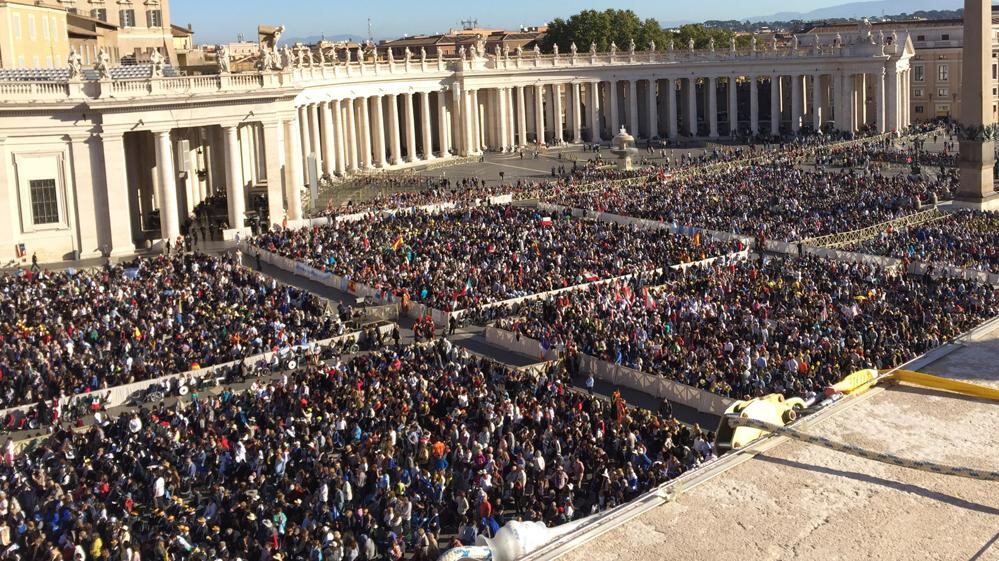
180, 31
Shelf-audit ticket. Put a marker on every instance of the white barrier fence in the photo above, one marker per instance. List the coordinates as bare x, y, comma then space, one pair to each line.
119, 395
617, 375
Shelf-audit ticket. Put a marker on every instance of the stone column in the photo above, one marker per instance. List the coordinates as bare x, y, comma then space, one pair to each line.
595, 133
395, 139
466, 121
477, 144
315, 144
862, 97
977, 157
117, 184
879, 99
379, 132
577, 114
653, 108
442, 128
350, 145
539, 113
275, 179
796, 103
428, 132
891, 99
672, 126
775, 105
754, 105
733, 106
558, 123
336, 137
521, 118
633, 126
234, 178
294, 178
407, 110
329, 149
817, 101
615, 113
504, 119
692, 106
169, 220
364, 116
304, 134
713, 107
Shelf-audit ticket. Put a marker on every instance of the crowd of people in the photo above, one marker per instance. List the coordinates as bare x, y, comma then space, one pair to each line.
966, 238
773, 197
786, 325
457, 258
70, 332
384, 456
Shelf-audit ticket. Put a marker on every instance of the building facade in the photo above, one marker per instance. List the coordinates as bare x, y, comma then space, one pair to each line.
143, 25
935, 80
32, 34
93, 167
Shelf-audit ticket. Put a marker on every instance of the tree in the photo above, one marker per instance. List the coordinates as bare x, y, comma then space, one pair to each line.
602, 28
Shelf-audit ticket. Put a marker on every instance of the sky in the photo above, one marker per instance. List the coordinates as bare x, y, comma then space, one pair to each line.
221, 20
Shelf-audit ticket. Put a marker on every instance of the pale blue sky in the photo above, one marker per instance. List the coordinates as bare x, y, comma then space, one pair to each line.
221, 20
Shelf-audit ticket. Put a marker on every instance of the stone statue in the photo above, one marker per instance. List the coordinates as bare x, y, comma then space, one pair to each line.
865, 30
322, 55
287, 57
310, 58
299, 57
593, 47
555, 50
881, 37
423, 54
652, 46
537, 50
408, 54
711, 44
613, 48
731, 43
773, 43
222, 59
266, 60
498, 52
391, 57
103, 65
480, 47
461, 52
520, 51
333, 58
75, 62
690, 44
156, 61
795, 43
752, 43
572, 49
631, 47
269, 37
672, 45
838, 40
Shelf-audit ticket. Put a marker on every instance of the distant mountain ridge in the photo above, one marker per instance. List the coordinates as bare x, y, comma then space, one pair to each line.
864, 9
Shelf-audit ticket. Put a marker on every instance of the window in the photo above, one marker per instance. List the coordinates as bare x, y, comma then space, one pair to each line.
943, 72
35, 62
917, 92
945, 37
995, 72
920, 37
48, 61
99, 13
44, 201
45, 28
31, 26
154, 18
943, 92
17, 26
919, 109
20, 61
126, 18
918, 73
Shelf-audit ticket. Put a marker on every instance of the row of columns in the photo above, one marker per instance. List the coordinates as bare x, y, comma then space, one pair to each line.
535, 114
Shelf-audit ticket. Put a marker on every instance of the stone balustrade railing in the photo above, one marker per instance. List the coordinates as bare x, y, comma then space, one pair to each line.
308, 75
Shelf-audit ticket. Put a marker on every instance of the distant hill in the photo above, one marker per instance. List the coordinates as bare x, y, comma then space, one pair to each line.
864, 9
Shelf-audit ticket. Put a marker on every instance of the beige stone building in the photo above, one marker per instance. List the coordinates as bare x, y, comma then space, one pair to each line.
32, 34
143, 25
936, 67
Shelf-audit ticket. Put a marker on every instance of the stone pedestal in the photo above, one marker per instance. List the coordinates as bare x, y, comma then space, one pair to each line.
976, 164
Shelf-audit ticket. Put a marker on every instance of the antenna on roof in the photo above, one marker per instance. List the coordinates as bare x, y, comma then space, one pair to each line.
370, 37
469, 23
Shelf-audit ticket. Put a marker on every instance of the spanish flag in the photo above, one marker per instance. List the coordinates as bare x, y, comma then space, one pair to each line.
398, 243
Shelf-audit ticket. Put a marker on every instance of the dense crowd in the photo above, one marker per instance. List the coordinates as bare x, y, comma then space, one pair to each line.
773, 197
458, 258
381, 457
69, 332
967, 239
783, 325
